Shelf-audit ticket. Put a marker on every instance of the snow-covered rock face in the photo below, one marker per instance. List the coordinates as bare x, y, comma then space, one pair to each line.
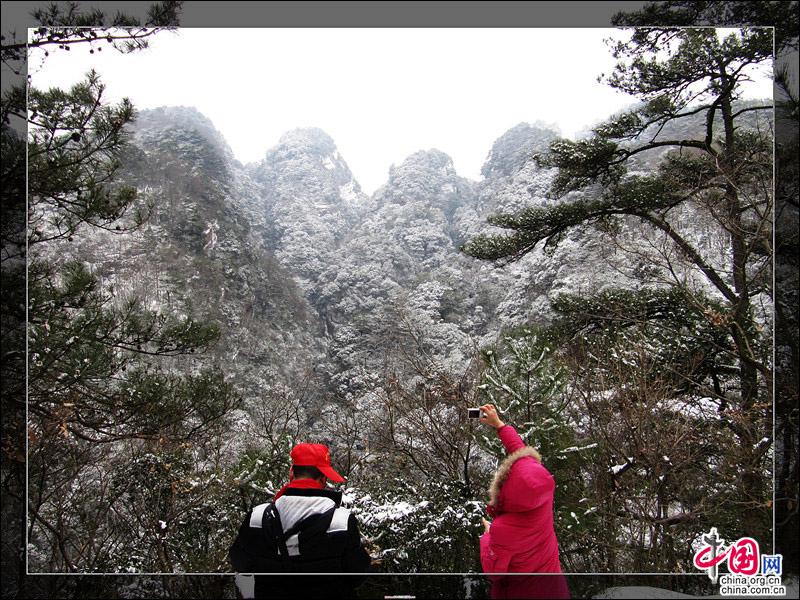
289, 253
310, 200
306, 161
203, 250
185, 132
403, 247
514, 149
427, 176
360, 262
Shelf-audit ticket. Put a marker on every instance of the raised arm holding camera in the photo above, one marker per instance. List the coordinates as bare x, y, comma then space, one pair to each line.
521, 537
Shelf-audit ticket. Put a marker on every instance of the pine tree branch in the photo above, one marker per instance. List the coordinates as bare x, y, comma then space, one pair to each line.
693, 255
625, 154
749, 109
43, 42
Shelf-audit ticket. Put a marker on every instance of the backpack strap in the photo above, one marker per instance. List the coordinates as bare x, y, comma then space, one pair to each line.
272, 528
274, 531
317, 523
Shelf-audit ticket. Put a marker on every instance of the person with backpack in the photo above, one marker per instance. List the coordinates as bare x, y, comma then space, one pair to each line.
304, 529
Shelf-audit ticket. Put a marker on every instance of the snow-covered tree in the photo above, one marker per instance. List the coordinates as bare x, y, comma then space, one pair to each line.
724, 171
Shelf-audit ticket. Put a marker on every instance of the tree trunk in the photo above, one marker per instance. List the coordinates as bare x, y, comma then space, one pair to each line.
753, 489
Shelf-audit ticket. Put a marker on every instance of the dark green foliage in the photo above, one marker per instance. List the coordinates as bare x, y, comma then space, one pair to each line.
634, 196
524, 383
623, 307
181, 510
688, 336
653, 370
582, 163
260, 472
73, 158
107, 387
649, 382
681, 13
701, 57
75, 304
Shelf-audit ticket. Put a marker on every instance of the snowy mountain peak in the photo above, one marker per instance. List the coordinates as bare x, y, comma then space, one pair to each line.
185, 130
311, 140
428, 160
515, 147
175, 115
189, 118
306, 153
427, 176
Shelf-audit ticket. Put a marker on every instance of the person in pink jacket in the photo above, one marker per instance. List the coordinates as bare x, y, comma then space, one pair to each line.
521, 537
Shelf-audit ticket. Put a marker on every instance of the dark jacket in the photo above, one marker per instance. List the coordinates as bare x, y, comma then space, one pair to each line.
304, 530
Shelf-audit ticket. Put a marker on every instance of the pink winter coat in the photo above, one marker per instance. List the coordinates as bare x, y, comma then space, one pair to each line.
521, 538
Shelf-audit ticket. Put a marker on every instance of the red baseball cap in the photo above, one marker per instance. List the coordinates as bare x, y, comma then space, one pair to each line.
315, 455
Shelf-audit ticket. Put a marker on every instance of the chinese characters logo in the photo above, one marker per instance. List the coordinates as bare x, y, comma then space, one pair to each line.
742, 556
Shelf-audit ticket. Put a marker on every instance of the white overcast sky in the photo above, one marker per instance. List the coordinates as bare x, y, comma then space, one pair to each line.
381, 94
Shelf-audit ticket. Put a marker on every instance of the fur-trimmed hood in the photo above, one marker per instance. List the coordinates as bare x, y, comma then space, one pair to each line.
505, 468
